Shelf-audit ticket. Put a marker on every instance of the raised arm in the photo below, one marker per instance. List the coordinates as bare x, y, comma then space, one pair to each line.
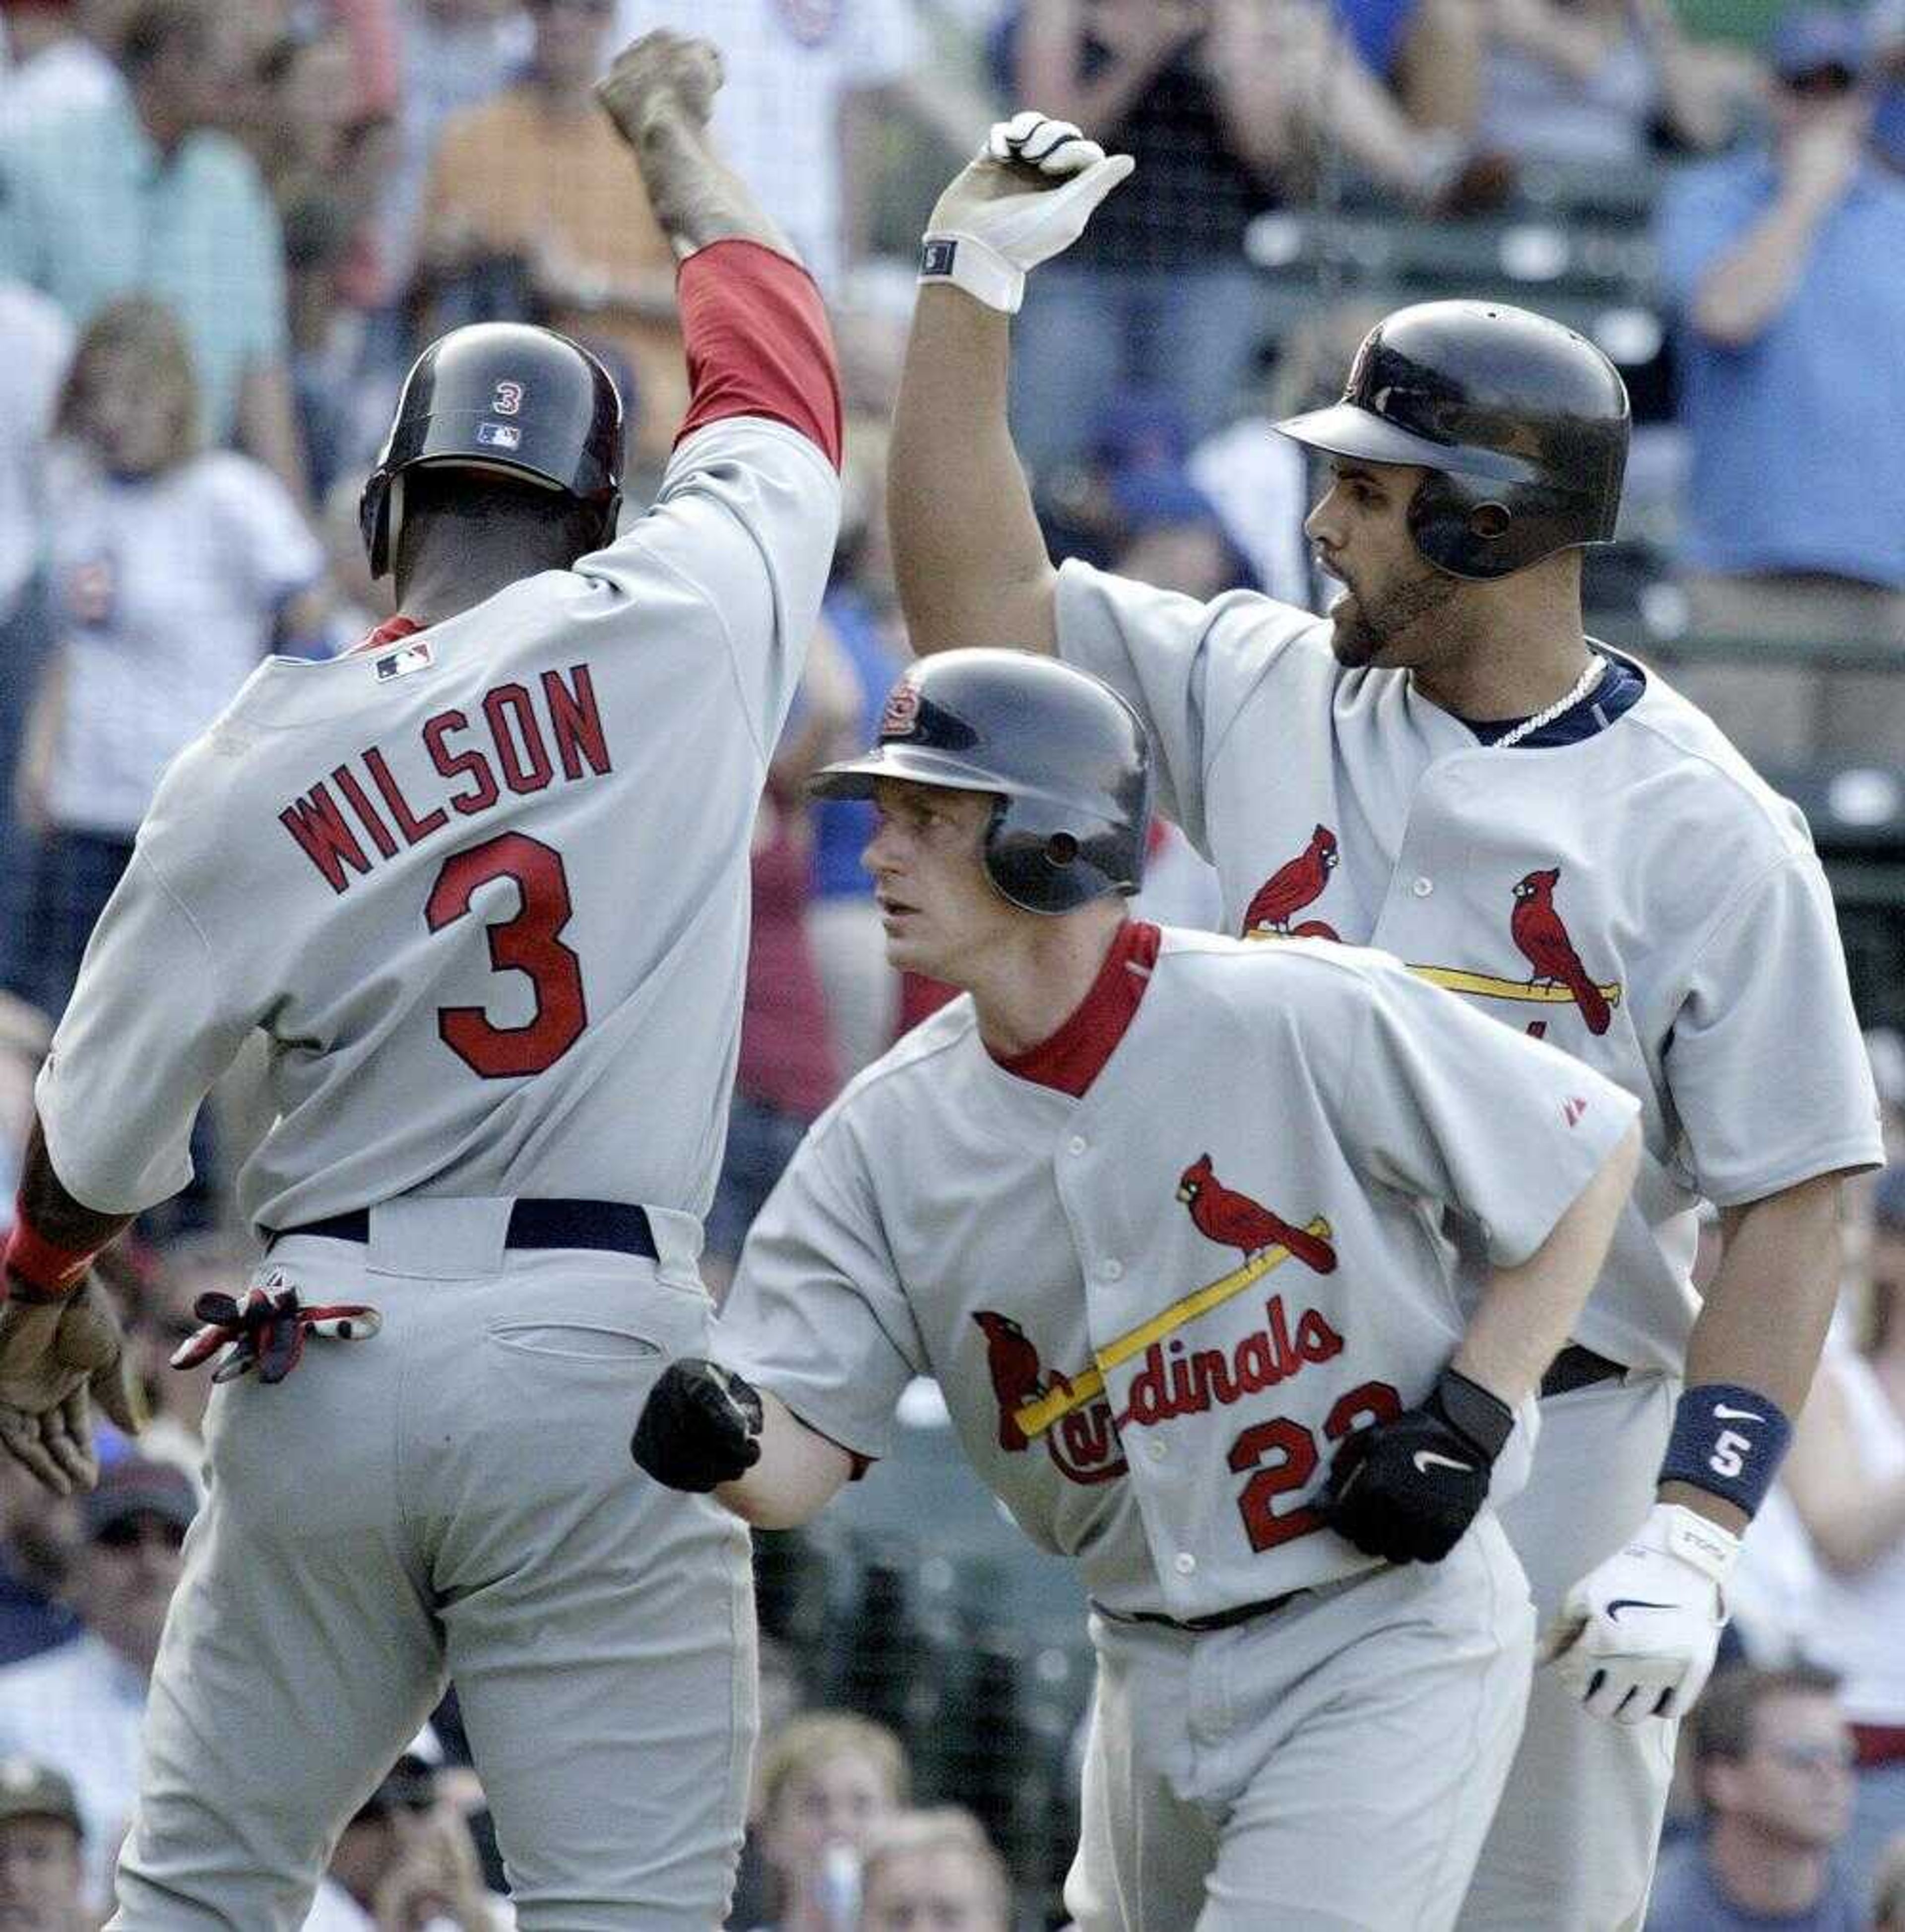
967, 553
659, 93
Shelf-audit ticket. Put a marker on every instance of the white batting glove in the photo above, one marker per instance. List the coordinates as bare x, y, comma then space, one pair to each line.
991, 225
1636, 1637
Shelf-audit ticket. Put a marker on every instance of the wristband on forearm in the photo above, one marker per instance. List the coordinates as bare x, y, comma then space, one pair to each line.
1728, 1441
975, 266
36, 1269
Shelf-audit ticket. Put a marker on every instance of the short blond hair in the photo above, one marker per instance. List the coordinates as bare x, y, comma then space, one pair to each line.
942, 1828
804, 1744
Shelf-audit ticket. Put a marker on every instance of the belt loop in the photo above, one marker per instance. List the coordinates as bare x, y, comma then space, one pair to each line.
439, 1237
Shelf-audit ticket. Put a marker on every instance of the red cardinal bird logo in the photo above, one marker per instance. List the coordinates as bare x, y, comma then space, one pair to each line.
1292, 887
1233, 1220
1543, 937
1012, 1362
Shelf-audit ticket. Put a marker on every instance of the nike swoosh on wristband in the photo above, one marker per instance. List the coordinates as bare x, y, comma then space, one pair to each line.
1621, 1603
1424, 1457
1725, 1414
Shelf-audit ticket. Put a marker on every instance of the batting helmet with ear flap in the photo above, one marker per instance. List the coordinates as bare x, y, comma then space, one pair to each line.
1067, 757
506, 397
1522, 424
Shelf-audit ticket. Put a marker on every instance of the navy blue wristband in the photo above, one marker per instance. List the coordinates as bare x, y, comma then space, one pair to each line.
1728, 1441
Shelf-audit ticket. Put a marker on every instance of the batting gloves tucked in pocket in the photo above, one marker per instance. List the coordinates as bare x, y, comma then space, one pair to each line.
699, 1428
1406, 1489
1637, 1636
265, 1331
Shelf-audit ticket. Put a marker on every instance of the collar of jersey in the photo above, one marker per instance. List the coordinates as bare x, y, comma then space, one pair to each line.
1070, 1059
1618, 692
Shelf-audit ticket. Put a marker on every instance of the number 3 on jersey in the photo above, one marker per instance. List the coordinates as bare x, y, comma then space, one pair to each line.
530, 944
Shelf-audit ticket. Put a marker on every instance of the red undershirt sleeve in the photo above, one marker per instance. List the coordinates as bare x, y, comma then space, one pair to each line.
758, 343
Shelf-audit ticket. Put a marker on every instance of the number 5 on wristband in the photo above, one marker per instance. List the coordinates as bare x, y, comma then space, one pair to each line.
985, 241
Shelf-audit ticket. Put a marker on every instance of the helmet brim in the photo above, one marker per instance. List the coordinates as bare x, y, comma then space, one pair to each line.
916, 764
1347, 429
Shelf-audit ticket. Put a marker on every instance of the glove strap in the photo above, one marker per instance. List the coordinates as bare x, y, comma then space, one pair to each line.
975, 266
1709, 1547
1479, 1416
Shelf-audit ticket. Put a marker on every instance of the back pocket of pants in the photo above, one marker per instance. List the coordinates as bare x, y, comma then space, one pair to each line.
574, 1341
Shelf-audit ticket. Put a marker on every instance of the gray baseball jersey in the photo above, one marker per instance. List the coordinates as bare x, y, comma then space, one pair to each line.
1642, 899
484, 889
1154, 1309
511, 847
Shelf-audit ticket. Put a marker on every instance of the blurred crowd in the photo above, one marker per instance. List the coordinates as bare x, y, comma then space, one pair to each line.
226, 229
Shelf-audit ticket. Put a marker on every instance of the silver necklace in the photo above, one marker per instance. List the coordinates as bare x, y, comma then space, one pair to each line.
1584, 683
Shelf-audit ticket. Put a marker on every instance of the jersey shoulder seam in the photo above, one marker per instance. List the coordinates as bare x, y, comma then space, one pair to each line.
706, 598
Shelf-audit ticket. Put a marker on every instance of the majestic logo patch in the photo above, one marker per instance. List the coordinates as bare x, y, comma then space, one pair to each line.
902, 712
507, 400
499, 436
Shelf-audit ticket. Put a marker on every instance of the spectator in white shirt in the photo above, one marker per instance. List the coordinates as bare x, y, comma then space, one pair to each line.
78, 1709
52, 66
172, 571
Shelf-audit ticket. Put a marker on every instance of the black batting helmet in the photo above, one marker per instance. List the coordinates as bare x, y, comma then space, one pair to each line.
1521, 423
1065, 754
501, 396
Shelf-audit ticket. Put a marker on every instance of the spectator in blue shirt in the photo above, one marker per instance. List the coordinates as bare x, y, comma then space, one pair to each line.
143, 194
1772, 1762
1786, 267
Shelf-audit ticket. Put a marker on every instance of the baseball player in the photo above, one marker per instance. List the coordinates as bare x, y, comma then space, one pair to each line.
1161, 1212
483, 883
1445, 767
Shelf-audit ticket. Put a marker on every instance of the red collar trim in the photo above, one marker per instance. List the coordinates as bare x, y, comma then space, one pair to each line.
1071, 1058
388, 632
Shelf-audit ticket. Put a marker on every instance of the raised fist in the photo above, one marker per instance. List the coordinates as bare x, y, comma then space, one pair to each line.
662, 73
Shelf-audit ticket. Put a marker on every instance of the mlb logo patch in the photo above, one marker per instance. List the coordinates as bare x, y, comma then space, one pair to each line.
395, 664
499, 436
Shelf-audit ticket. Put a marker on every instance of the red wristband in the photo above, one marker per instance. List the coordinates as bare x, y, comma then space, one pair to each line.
36, 1269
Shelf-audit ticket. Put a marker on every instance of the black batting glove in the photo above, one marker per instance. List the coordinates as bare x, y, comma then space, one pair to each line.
699, 1428
1406, 1489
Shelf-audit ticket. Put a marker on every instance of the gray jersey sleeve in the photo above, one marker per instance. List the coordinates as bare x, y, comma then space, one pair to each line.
127, 1072
747, 516
1183, 666
1768, 1075
817, 1312
1443, 1101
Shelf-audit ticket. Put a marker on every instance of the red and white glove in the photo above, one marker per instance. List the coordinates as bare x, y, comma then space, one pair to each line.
266, 1330
1636, 1637
997, 219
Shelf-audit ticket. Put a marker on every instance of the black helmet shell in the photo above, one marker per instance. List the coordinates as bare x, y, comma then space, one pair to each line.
1521, 423
503, 396
1067, 756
